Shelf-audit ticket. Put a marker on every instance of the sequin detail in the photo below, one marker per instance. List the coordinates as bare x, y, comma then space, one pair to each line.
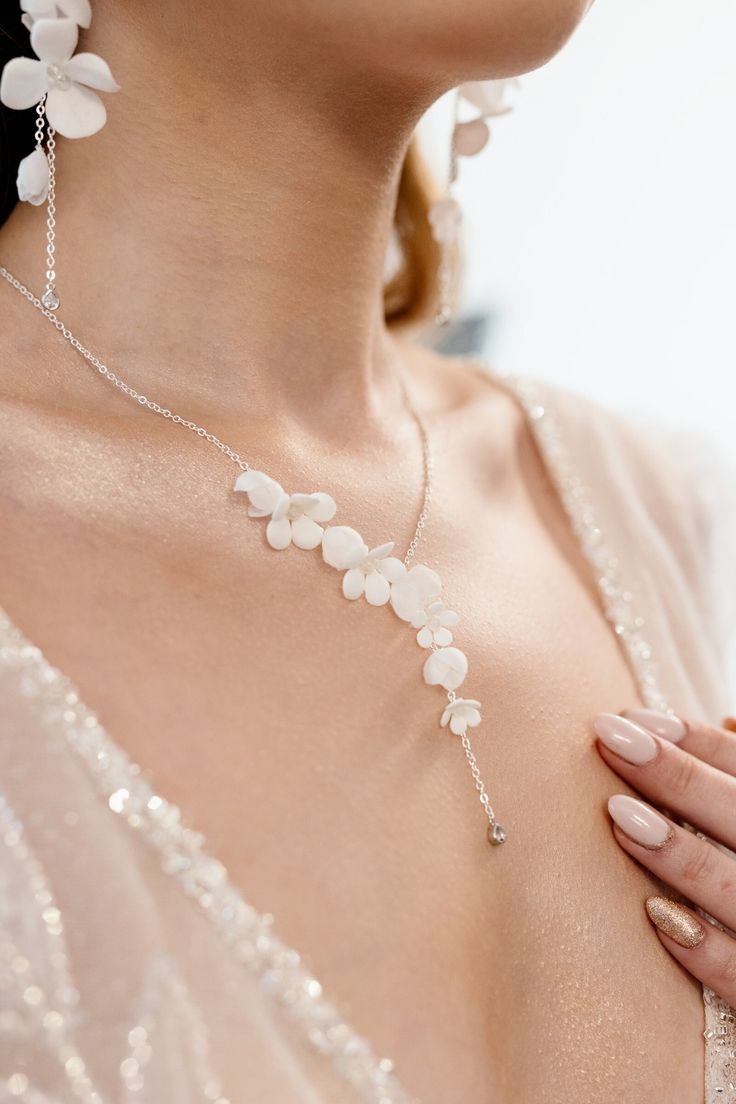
283, 975
618, 600
39, 1003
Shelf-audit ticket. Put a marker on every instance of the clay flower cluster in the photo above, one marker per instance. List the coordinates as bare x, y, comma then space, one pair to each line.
373, 574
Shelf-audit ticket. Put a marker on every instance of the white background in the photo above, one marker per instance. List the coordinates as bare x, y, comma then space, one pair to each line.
601, 217
600, 221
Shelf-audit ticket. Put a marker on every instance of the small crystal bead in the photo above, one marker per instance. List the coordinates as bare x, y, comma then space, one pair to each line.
50, 299
57, 77
496, 834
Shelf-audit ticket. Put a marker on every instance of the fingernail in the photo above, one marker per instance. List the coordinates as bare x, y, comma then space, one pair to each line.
675, 921
666, 725
639, 821
730, 723
632, 743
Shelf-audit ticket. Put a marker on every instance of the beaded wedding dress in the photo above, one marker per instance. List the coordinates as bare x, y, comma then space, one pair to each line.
131, 970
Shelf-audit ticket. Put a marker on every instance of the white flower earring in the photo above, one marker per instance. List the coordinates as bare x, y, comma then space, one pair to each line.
468, 138
78, 10
61, 85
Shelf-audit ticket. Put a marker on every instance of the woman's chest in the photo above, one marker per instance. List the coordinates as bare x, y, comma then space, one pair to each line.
295, 730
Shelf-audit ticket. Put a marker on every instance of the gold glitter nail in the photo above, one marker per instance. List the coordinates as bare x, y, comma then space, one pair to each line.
675, 921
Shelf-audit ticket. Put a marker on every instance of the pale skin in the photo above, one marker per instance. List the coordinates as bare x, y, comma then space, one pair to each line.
221, 245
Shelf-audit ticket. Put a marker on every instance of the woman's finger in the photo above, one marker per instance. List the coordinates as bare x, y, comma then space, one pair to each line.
693, 789
692, 866
713, 745
704, 950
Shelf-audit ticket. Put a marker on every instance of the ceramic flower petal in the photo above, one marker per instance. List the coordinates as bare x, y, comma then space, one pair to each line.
340, 544
33, 178
472, 137
428, 582
405, 601
304, 501
449, 618
392, 569
78, 10
414, 590
377, 589
91, 70
282, 507
490, 97
306, 533
353, 583
425, 638
24, 83
381, 550
442, 637
54, 40
278, 533
75, 112
446, 667
324, 509
264, 493
458, 724
461, 714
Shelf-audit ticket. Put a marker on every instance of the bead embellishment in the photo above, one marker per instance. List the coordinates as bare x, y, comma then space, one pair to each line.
620, 607
282, 973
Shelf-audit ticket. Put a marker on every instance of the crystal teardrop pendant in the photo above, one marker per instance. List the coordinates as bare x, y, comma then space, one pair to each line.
496, 834
50, 299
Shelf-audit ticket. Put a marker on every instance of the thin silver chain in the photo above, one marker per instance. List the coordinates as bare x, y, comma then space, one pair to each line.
477, 779
51, 216
224, 448
49, 298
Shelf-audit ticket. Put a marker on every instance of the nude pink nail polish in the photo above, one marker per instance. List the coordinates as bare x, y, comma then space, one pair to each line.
639, 821
666, 725
632, 742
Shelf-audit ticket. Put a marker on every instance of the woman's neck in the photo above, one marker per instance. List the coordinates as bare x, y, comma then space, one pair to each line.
223, 238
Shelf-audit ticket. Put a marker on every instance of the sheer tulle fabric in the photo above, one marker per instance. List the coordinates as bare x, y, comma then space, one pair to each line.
122, 975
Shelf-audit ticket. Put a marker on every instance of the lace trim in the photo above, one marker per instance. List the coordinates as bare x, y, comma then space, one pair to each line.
280, 970
620, 607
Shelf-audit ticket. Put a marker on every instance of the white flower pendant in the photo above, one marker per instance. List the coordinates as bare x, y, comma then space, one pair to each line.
414, 593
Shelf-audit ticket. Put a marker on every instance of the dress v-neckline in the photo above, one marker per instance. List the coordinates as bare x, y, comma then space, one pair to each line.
129, 794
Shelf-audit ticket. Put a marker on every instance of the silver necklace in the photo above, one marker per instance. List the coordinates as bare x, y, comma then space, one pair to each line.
414, 592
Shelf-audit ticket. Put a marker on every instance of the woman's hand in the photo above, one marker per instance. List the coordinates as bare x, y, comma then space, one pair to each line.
689, 769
